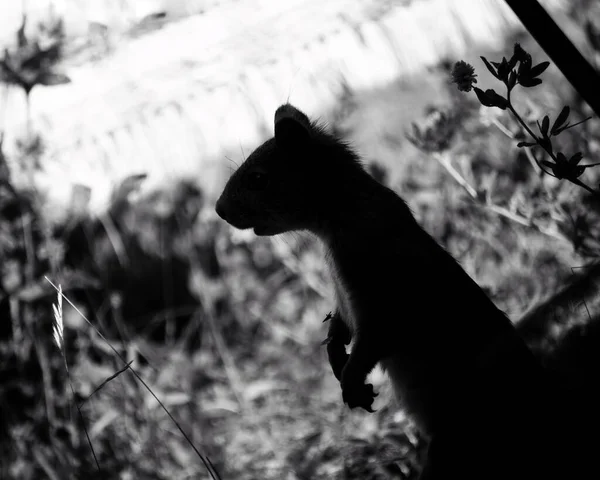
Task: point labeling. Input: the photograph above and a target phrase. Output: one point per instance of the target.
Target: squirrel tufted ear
(292, 127)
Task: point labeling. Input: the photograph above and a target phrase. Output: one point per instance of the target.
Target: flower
(463, 75)
(519, 55)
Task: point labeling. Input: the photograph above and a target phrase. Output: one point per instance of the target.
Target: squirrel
(455, 361)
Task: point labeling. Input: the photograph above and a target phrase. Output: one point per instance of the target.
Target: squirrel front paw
(358, 394)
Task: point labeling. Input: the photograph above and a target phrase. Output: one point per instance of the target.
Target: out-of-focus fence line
(170, 102)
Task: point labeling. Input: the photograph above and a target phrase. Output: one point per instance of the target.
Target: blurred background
(120, 122)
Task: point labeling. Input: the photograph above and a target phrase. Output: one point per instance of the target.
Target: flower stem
(519, 119)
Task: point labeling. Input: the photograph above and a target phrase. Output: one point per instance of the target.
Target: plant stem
(519, 119)
(549, 152)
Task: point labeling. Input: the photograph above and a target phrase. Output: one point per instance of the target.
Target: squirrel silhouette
(455, 361)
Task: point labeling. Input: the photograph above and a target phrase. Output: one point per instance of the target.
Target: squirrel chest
(341, 294)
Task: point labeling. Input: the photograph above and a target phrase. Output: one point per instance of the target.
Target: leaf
(526, 144)
(576, 158)
(545, 143)
(564, 168)
(525, 65)
(578, 171)
(129, 184)
(50, 78)
(545, 126)
(548, 164)
(569, 125)
(538, 69)
(482, 97)
(529, 82)
(558, 170)
(519, 53)
(490, 98)
(490, 68)
(560, 120)
(21, 37)
(503, 70)
(512, 80)
(562, 129)
(512, 63)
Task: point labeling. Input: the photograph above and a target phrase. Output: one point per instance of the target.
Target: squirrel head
(290, 182)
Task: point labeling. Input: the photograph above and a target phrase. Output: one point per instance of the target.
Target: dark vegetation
(226, 327)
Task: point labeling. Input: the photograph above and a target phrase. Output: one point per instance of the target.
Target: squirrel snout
(220, 208)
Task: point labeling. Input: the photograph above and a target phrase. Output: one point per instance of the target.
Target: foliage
(34, 60)
(542, 206)
(527, 76)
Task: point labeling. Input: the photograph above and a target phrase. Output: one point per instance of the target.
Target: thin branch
(114, 375)
(520, 120)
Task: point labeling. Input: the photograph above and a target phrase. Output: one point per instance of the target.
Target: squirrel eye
(257, 180)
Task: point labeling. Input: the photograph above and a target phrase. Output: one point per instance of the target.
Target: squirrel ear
(292, 127)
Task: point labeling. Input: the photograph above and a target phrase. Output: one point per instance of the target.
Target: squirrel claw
(360, 396)
(327, 341)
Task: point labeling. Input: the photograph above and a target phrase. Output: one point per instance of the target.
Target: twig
(114, 375)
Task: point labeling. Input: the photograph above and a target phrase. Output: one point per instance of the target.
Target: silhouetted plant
(546, 209)
(519, 70)
(34, 60)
